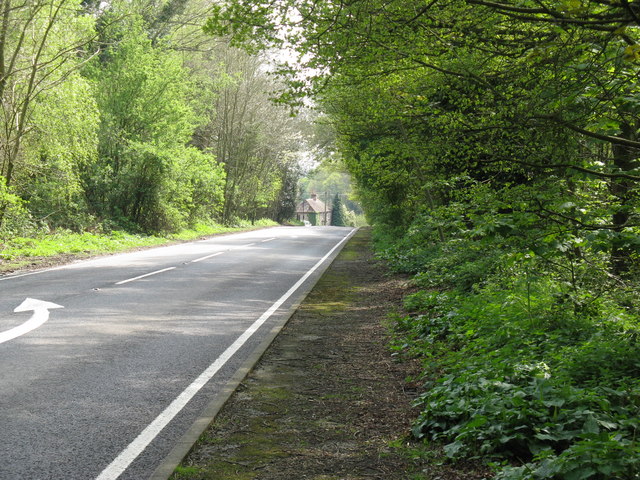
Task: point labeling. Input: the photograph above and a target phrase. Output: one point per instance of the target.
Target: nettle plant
(526, 416)
(516, 374)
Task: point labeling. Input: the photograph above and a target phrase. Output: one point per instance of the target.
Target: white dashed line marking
(122, 282)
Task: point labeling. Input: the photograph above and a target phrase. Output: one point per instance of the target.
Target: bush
(15, 219)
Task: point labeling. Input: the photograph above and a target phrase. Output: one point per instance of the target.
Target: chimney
(314, 196)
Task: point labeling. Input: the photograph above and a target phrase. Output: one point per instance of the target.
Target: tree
(147, 175)
(553, 78)
(285, 205)
(60, 147)
(337, 212)
(42, 44)
(253, 138)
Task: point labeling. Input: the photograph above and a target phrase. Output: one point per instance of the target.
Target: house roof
(311, 205)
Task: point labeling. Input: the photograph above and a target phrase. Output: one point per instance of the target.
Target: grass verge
(20, 252)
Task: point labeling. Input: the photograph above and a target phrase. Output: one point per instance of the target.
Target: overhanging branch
(588, 133)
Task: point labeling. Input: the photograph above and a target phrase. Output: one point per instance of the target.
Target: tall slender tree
(337, 212)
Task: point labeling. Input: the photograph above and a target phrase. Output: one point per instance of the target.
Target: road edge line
(191, 436)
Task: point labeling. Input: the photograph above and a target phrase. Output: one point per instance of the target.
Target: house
(312, 207)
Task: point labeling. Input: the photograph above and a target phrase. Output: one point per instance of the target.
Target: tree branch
(554, 166)
(598, 136)
(507, 8)
(582, 224)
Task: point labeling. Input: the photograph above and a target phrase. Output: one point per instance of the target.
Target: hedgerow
(537, 378)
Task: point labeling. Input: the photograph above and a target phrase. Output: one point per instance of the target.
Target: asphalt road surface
(105, 363)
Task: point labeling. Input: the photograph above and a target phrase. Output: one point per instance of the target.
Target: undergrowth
(535, 370)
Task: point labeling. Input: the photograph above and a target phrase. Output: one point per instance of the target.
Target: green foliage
(47, 116)
(494, 146)
(16, 219)
(107, 122)
(60, 148)
(13, 248)
(512, 371)
(146, 173)
(256, 141)
(285, 207)
(530, 357)
(74, 243)
(602, 457)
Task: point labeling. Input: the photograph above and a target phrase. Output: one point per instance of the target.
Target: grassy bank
(20, 252)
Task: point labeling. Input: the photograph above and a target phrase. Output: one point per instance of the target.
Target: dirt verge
(326, 401)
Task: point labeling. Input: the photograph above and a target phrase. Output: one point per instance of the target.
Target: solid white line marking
(122, 282)
(206, 257)
(135, 448)
(37, 272)
(267, 240)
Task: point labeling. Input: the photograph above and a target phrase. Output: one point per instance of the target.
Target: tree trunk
(624, 158)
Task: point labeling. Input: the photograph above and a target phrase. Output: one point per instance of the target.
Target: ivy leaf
(591, 425)
(452, 449)
(581, 473)
(547, 469)
(556, 402)
(478, 421)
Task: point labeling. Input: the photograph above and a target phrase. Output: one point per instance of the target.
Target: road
(103, 379)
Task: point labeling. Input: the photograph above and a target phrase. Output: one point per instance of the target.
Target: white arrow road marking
(40, 315)
(140, 443)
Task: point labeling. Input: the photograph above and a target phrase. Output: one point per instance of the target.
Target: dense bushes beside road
(522, 367)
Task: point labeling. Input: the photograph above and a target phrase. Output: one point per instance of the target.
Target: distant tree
(337, 212)
(285, 208)
(253, 138)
